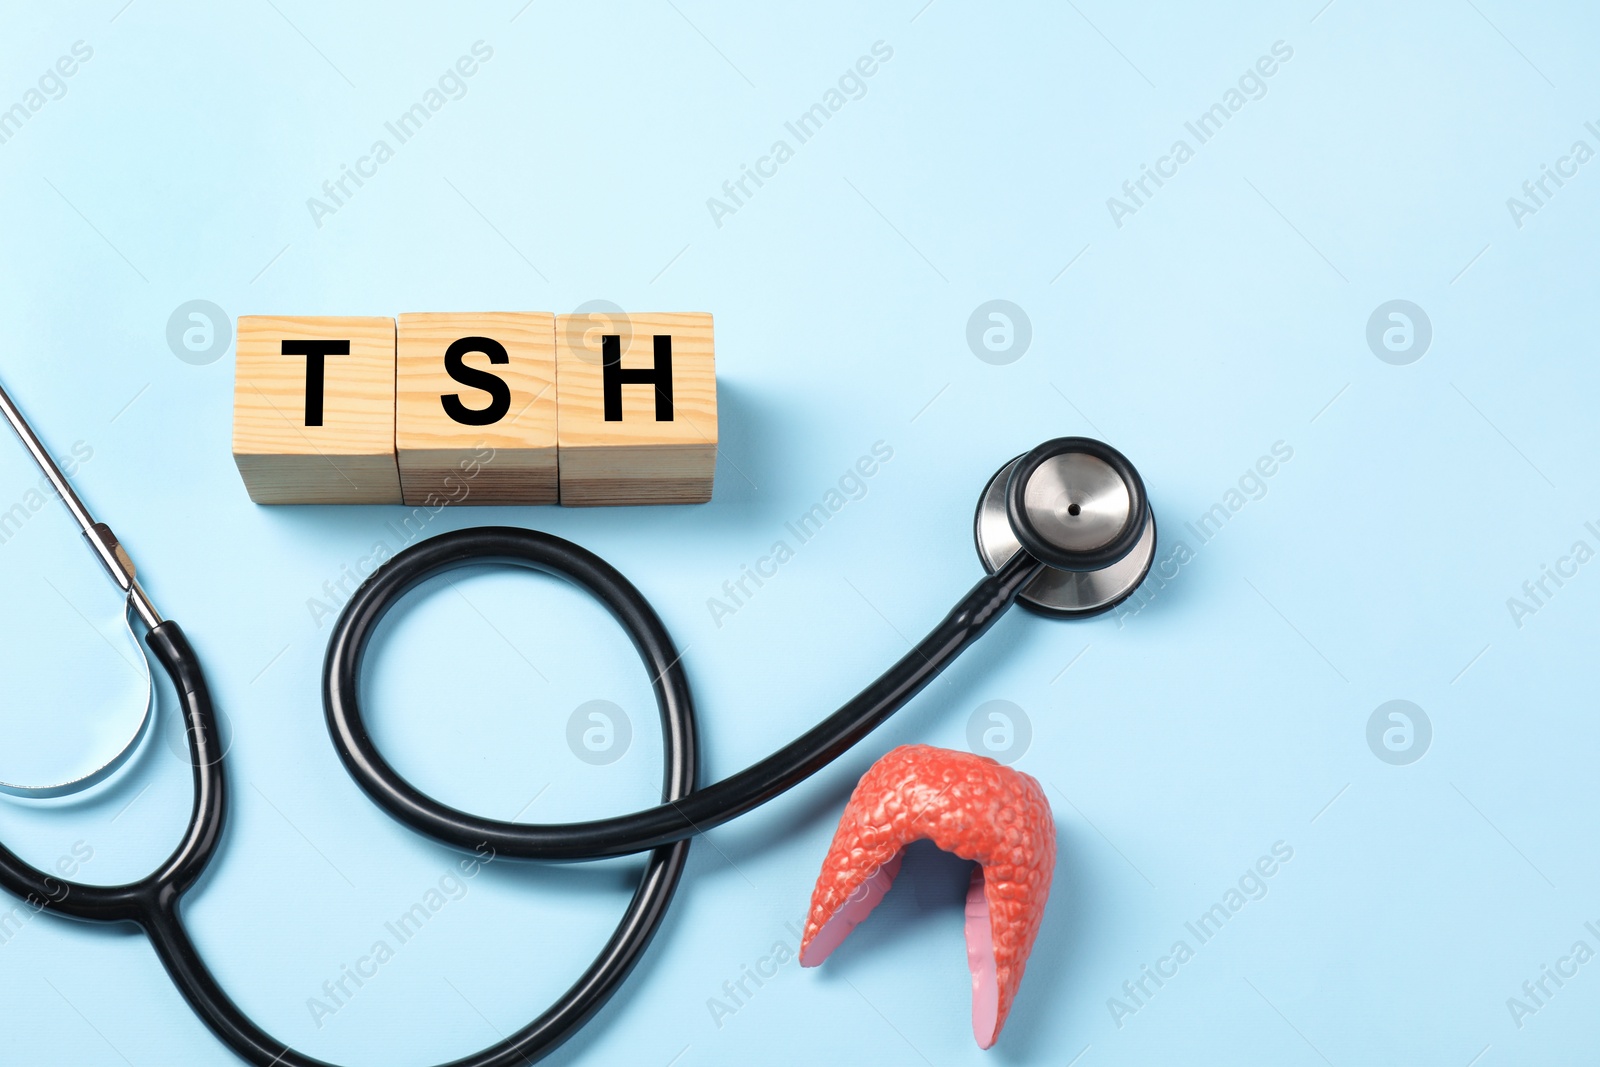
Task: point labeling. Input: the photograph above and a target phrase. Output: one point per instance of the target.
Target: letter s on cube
(478, 389)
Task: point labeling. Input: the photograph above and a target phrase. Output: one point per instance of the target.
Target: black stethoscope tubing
(153, 902)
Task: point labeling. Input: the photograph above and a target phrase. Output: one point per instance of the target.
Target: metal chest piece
(1078, 506)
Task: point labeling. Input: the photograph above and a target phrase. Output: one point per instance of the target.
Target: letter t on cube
(313, 410)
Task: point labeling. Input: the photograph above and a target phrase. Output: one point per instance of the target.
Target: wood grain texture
(637, 460)
(350, 457)
(510, 461)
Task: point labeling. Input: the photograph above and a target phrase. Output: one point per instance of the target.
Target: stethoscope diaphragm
(1083, 509)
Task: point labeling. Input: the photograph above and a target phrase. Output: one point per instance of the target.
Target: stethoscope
(1065, 530)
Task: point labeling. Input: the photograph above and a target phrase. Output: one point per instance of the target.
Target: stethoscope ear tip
(1078, 506)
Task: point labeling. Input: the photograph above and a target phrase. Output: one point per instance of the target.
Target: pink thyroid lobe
(849, 915)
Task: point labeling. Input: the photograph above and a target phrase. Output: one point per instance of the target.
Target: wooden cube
(313, 410)
(475, 408)
(638, 409)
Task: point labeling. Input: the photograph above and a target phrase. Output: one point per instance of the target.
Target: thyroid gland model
(968, 805)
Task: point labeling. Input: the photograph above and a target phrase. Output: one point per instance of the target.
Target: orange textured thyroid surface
(967, 805)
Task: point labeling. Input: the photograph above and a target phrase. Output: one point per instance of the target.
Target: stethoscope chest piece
(1078, 506)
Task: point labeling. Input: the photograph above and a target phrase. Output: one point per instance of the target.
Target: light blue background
(1227, 314)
